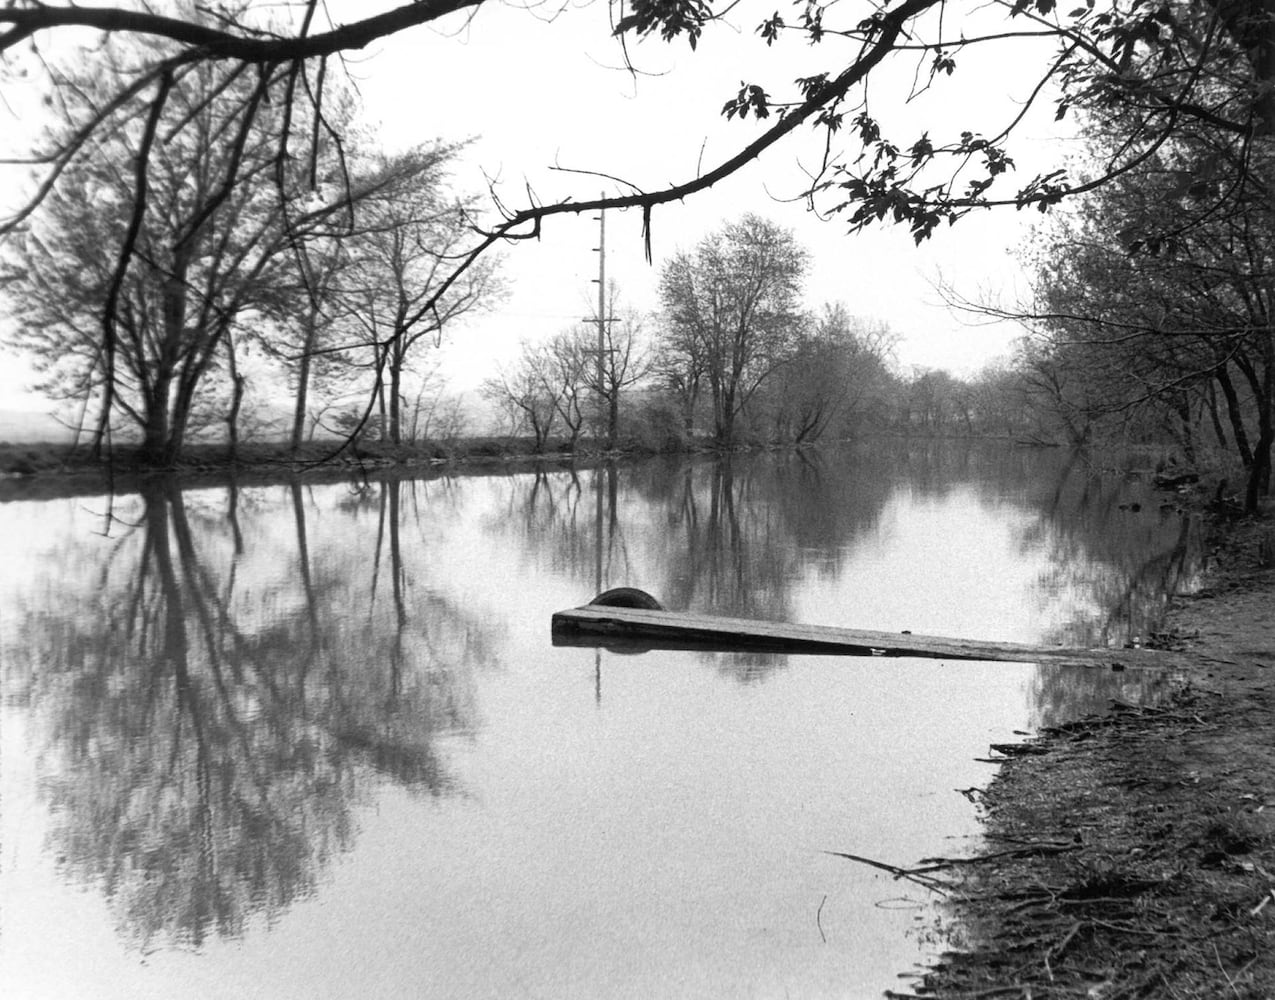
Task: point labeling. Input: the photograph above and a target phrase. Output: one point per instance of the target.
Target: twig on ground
(919, 877)
(936, 864)
(1055, 951)
(1226, 975)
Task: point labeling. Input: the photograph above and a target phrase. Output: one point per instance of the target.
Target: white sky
(537, 92)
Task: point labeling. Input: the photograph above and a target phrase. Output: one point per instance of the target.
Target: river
(312, 740)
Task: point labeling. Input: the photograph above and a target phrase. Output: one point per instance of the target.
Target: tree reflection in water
(1146, 557)
(215, 705)
(203, 759)
(744, 535)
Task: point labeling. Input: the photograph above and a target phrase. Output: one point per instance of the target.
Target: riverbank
(39, 472)
(1133, 855)
(33, 459)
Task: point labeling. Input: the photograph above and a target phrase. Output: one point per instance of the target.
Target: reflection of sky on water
(966, 565)
(956, 565)
(667, 842)
(368, 670)
(950, 565)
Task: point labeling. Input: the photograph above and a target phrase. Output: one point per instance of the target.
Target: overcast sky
(538, 92)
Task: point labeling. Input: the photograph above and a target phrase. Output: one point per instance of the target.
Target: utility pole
(602, 320)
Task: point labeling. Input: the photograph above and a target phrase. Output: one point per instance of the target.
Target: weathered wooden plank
(633, 628)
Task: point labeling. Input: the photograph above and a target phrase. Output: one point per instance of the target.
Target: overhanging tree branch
(231, 42)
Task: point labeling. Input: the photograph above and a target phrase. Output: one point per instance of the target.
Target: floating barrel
(627, 597)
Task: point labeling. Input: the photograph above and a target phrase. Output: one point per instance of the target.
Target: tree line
(330, 266)
(730, 358)
(339, 296)
(733, 357)
(1152, 294)
(1151, 309)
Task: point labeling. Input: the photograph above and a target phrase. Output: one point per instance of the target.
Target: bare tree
(208, 253)
(404, 246)
(731, 312)
(434, 414)
(835, 371)
(563, 372)
(678, 366)
(526, 393)
(626, 360)
(569, 360)
(308, 325)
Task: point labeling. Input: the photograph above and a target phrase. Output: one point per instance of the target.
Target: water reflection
(948, 538)
(206, 732)
(220, 689)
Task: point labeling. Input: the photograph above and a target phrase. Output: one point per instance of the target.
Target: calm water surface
(313, 741)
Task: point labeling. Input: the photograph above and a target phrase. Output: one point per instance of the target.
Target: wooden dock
(634, 630)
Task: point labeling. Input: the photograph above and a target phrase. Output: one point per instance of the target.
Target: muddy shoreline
(1133, 854)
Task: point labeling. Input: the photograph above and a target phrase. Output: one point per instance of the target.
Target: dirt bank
(1134, 855)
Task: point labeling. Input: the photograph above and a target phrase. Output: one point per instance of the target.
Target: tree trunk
(1215, 419)
(725, 419)
(232, 418)
(303, 381)
(1236, 416)
(613, 417)
(396, 416)
(180, 421)
(155, 430)
(1259, 475)
(237, 383)
(1186, 431)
